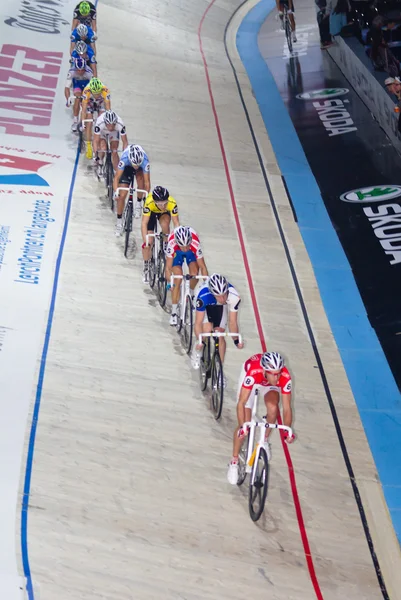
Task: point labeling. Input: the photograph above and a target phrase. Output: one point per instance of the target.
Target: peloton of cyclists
(267, 373)
(217, 304)
(158, 206)
(95, 98)
(108, 126)
(134, 162)
(183, 244)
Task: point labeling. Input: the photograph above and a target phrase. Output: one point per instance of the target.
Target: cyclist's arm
(243, 399)
(144, 226)
(169, 268)
(116, 179)
(75, 24)
(96, 140)
(107, 103)
(176, 220)
(202, 266)
(124, 140)
(72, 46)
(199, 315)
(287, 410)
(67, 88)
(146, 181)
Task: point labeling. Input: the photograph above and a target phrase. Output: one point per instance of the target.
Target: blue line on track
(370, 377)
(35, 416)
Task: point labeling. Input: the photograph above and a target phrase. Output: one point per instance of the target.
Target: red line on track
(291, 472)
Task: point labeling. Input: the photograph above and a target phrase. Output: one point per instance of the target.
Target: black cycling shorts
(152, 220)
(128, 175)
(214, 314)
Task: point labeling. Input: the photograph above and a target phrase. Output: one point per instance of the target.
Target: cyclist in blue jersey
(78, 77)
(83, 33)
(84, 12)
(133, 162)
(216, 303)
(82, 50)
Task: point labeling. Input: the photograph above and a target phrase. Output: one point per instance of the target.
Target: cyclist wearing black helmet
(159, 205)
(85, 13)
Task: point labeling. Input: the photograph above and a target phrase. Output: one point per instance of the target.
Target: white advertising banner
(37, 156)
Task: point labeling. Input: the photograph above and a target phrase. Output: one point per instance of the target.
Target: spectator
(323, 21)
(338, 14)
(381, 56)
(393, 86)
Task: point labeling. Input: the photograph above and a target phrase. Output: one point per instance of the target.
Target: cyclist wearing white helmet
(134, 162)
(158, 206)
(82, 50)
(85, 34)
(267, 373)
(183, 244)
(109, 125)
(216, 303)
(78, 78)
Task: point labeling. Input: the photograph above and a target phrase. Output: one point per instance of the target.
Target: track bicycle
(185, 318)
(253, 459)
(128, 211)
(211, 367)
(157, 265)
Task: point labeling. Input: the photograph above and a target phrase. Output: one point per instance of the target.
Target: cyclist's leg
(140, 183)
(164, 221)
(193, 270)
(279, 8)
(175, 291)
(147, 250)
(125, 181)
(222, 326)
(102, 149)
(272, 400)
(114, 152)
(291, 15)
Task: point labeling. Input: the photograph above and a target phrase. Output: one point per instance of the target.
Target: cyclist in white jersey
(109, 125)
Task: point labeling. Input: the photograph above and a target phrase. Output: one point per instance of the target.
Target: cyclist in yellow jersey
(95, 98)
(161, 206)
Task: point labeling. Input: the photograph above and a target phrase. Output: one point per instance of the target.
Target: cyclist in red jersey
(267, 373)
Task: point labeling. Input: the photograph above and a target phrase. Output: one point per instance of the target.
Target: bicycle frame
(252, 454)
(184, 291)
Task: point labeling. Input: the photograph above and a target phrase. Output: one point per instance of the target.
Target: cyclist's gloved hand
(115, 195)
(242, 432)
(69, 102)
(168, 286)
(287, 438)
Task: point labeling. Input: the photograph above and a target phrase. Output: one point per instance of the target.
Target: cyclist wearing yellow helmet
(95, 98)
(85, 13)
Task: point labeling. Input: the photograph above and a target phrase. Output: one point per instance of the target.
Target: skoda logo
(378, 193)
(323, 94)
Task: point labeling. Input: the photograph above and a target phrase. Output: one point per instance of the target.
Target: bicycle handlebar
(268, 426)
(131, 190)
(188, 276)
(220, 334)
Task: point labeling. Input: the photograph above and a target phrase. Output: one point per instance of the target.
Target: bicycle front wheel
(204, 366)
(128, 227)
(109, 183)
(242, 456)
(188, 325)
(258, 485)
(152, 272)
(217, 385)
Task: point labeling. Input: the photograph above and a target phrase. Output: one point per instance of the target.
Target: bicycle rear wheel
(204, 366)
(217, 385)
(258, 489)
(187, 325)
(128, 226)
(161, 280)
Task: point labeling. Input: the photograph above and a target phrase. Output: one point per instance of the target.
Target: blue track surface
(370, 377)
